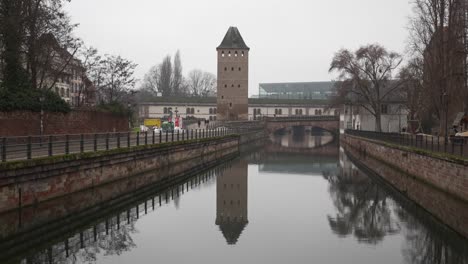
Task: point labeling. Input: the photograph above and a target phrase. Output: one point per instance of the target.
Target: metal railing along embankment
(25, 148)
(457, 146)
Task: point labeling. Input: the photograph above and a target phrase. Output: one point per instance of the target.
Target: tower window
(225, 68)
(239, 68)
(232, 86)
(225, 86)
(242, 54)
(232, 68)
(238, 85)
(222, 54)
(222, 96)
(230, 105)
(229, 54)
(235, 54)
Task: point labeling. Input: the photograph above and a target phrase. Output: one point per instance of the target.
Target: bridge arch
(328, 123)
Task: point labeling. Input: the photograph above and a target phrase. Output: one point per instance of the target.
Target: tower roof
(233, 40)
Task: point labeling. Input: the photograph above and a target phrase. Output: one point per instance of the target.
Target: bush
(30, 100)
(115, 108)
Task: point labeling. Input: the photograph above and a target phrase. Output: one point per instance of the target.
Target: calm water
(282, 203)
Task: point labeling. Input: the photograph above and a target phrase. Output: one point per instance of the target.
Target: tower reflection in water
(231, 201)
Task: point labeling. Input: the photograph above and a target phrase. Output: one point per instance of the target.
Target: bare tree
(151, 80)
(115, 78)
(47, 30)
(366, 77)
(177, 78)
(165, 77)
(202, 84)
(438, 38)
(412, 89)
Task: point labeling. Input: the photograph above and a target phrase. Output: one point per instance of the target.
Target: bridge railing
(457, 146)
(25, 148)
(304, 118)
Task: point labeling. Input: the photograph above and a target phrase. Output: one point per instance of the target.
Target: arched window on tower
(229, 54)
(222, 54)
(235, 54)
(242, 54)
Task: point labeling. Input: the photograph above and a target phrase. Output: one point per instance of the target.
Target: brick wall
(31, 184)
(445, 175)
(23, 123)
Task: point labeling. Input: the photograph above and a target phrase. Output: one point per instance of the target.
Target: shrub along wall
(25, 123)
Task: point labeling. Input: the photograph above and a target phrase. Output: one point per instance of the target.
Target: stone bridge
(329, 123)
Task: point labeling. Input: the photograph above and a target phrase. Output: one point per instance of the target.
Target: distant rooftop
(233, 40)
(212, 101)
(297, 90)
(296, 87)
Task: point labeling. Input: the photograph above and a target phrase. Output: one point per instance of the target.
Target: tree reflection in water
(425, 246)
(370, 211)
(362, 208)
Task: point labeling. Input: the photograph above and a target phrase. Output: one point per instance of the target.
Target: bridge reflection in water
(279, 203)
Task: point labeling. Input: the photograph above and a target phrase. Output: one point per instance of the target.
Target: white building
(394, 118)
(206, 108)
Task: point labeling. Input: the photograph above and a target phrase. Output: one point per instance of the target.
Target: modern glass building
(302, 90)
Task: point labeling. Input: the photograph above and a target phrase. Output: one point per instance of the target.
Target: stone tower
(231, 201)
(233, 77)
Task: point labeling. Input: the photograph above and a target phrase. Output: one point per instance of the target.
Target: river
(298, 199)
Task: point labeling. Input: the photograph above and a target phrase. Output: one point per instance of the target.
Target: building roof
(213, 100)
(298, 87)
(233, 40)
(232, 230)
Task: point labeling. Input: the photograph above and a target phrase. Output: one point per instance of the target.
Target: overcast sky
(290, 40)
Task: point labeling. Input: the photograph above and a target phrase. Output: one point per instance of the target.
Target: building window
(232, 69)
(193, 111)
(235, 54)
(225, 68)
(242, 54)
(230, 105)
(165, 110)
(211, 111)
(222, 54)
(239, 68)
(225, 86)
(238, 86)
(384, 109)
(229, 54)
(222, 96)
(215, 111)
(232, 86)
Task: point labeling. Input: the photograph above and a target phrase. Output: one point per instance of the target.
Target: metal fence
(24, 148)
(457, 146)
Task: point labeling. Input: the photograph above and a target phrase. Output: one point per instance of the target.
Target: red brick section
(445, 207)
(22, 123)
(445, 175)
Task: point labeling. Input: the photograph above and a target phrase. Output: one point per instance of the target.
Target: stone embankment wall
(443, 206)
(24, 123)
(30, 182)
(445, 174)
